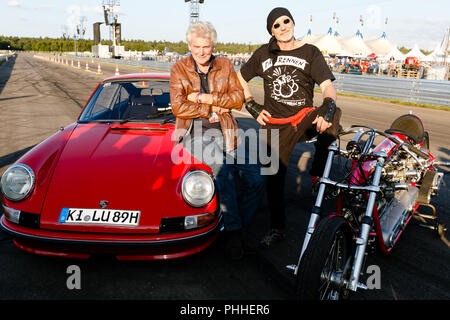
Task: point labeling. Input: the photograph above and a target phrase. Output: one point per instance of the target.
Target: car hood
(128, 166)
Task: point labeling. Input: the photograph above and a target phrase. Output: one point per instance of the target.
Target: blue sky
(243, 21)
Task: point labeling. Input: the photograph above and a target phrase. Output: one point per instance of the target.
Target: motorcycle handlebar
(442, 163)
(405, 145)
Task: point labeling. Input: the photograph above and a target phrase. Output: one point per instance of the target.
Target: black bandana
(274, 15)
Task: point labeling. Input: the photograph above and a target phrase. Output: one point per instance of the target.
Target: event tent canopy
(437, 55)
(356, 46)
(330, 44)
(395, 53)
(415, 52)
(380, 46)
(311, 38)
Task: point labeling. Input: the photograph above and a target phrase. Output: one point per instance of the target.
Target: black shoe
(234, 247)
(272, 237)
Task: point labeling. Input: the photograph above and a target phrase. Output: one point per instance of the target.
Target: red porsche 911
(113, 183)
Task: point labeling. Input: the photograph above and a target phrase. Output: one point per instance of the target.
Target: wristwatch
(199, 98)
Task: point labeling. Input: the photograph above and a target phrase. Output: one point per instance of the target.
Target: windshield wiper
(99, 121)
(159, 114)
(152, 116)
(125, 120)
(168, 113)
(168, 119)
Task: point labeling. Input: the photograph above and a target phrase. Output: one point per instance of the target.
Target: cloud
(14, 3)
(79, 15)
(44, 7)
(73, 18)
(94, 9)
(425, 32)
(373, 17)
(17, 4)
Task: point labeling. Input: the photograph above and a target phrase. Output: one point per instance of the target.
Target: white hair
(202, 29)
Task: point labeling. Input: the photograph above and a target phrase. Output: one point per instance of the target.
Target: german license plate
(99, 216)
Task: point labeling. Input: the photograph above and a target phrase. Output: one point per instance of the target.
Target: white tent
(380, 46)
(355, 46)
(311, 38)
(395, 53)
(415, 52)
(329, 44)
(428, 58)
(438, 50)
(437, 55)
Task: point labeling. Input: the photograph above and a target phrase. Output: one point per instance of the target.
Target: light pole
(81, 30)
(446, 46)
(66, 38)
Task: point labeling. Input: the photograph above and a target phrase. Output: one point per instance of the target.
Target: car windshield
(130, 101)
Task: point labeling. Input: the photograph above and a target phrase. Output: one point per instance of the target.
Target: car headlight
(17, 182)
(197, 188)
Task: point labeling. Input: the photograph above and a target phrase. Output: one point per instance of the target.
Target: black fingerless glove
(253, 108)
(327, 109)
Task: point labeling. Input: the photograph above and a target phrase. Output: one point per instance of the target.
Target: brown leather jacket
(223, 85)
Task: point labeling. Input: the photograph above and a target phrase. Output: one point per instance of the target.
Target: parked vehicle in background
(411, 64)
(352, 69)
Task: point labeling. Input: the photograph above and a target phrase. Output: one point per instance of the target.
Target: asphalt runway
(38, 97)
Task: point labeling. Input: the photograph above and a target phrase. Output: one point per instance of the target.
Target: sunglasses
(277, 25)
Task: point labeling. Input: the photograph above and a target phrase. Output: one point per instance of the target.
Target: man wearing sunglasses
(290, 68)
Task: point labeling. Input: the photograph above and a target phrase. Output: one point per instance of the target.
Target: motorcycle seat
(410, 126)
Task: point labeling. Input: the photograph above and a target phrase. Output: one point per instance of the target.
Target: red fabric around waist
(293, 120)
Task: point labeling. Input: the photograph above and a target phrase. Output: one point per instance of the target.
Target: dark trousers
(237, 206)
(288, 137)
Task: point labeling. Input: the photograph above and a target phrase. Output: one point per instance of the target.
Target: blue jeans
(241, 187)
(231, 170)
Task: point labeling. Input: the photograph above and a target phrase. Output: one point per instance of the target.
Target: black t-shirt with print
(289, 77)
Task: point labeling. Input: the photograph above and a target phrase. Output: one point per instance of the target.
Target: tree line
(68, 45)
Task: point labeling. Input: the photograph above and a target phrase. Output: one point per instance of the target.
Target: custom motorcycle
(378, 188)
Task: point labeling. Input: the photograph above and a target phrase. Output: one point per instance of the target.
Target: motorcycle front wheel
(326, 262)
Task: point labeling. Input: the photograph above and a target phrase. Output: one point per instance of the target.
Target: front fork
(315, 215)
(366, 221)
(366, 224)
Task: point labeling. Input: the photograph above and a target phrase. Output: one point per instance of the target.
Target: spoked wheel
(326, 263)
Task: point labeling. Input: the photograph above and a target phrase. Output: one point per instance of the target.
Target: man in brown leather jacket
(203, 91)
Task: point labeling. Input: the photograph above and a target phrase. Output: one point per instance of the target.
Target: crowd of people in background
(381, 66)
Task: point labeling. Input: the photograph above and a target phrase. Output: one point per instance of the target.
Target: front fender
(42, 159)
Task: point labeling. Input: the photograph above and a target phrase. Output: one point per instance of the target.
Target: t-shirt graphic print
(289, 77)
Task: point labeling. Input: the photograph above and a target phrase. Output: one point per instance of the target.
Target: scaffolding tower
(195, 10)
(111, 18)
